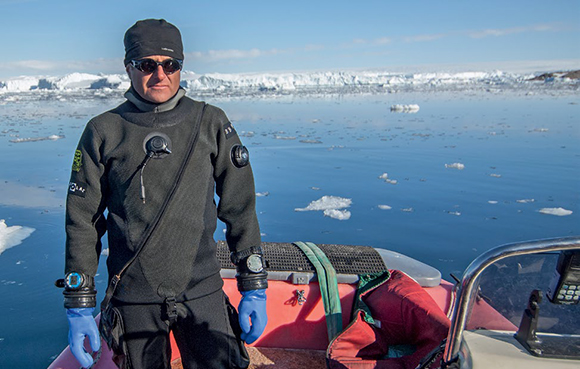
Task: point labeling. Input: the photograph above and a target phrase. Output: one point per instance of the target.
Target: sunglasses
(149, 66)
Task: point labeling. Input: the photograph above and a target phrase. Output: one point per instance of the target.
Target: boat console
(548, 333)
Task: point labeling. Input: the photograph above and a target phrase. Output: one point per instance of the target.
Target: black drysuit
(179, 259)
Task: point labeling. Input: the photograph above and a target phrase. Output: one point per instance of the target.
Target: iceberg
(13, 235)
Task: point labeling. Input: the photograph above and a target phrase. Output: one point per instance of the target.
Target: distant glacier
(268, 84)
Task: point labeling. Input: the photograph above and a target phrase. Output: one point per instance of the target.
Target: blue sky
(56, 37)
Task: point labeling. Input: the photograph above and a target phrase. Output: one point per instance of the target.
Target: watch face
(254, 263)
(73, 280)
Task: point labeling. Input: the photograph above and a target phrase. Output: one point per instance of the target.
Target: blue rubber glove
(253, 306)
(82, 323)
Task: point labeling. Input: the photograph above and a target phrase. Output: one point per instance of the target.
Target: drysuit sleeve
(237, 201)
(85, 223)
(235, 188)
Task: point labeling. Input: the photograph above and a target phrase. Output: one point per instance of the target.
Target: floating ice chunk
(247, 134)
(337, 214)
(457, 166)
(327, 203)
(541, 130)
(561, 212)
(311, 141)
(385, 207)
(407, 210)
(454, 213)
(386, 178)
(525, 201)
(493, 202)
(105, 252)
(262, 194)
(12, 236)
(34, 139)
(411, 108)
(495, 175)
(278, 137)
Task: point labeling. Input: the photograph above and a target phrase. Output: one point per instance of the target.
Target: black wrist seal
(79, 290)
(252, 281)
(250, 266)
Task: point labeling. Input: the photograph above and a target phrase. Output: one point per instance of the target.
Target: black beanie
(152, 37)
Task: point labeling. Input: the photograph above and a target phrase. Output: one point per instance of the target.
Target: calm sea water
(520, 155)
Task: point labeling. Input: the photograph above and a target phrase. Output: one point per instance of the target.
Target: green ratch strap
(328, 286)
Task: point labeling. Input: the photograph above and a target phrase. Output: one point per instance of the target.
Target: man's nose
(159, 73)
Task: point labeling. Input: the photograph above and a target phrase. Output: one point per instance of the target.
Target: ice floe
(13, 235)
(458, 166)
(35, 139)
(561, 212)
(385, 177)
(331, 206)
(262, 194)
(410, 109)
(384, 207)
(337, 214)
(525, 201)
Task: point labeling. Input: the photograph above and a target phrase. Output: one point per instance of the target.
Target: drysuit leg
(208, 334)
(146, 335)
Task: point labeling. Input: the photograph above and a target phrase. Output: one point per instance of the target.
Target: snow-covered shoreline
(100, 85)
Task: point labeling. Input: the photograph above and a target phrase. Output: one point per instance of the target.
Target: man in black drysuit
(135, 163)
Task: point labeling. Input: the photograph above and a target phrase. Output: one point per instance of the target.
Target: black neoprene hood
(152, 37)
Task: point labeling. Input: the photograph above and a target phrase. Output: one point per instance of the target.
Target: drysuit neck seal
(147, 106)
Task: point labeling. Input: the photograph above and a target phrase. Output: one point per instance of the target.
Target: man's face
(156, 87)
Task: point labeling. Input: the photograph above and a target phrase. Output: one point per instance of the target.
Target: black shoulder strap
(149, 231)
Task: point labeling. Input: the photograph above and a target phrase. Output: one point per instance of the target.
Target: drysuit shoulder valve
(240, 156)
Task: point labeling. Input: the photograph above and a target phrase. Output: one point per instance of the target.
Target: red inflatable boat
(395, 311)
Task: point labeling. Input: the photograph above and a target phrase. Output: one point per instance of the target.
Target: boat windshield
(506, 286)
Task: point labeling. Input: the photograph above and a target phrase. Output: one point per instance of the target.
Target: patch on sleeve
(77, 161)
(77, 188)
(229, 130)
